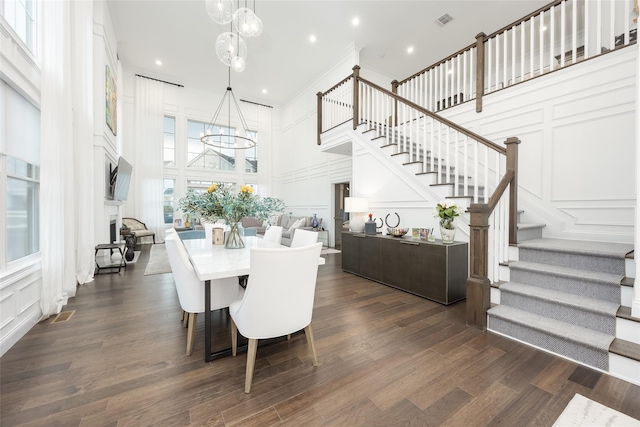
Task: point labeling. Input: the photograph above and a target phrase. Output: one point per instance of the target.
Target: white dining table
(212, 262)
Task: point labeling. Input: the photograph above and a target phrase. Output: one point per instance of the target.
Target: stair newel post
(356, 96)
(478, 284)
(319, 107)
(512, 164)
(479, 70)
(394, 89)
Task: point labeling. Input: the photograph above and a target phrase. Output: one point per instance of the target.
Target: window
(21, 16)
(169, 208)
(22, 201)
(251, 154)
(169, 141)
(203, 156)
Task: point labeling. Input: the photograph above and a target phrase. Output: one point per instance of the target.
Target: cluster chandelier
(230, 47)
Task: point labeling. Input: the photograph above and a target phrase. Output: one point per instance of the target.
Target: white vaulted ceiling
(282, 60)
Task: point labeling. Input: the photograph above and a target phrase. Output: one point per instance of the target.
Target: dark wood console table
(431, 270)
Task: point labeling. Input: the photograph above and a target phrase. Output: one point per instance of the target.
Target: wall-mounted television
(119, 180)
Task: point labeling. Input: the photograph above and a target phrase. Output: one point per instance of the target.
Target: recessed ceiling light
(355, 21)
(264, 91)
(312, 38)
(410, 49)
(450, 71)
(544, 28)
(158, 62)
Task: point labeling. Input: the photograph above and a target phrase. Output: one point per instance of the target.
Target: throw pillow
(299, 223)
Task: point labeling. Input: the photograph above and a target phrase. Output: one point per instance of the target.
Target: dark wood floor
(387, 358)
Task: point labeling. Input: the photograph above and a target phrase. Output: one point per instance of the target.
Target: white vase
(447, 231)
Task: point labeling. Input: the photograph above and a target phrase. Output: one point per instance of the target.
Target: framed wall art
(111, 101)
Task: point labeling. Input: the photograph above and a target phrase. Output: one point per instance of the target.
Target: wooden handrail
(434, 65)
(346, 79)
(435, 116)
(521, 20)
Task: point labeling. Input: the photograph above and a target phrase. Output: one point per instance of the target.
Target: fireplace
(113, 230)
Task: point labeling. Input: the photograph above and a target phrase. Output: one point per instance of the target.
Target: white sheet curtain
(56, 174)
(148, 168)
(83, 161)
(264, 147)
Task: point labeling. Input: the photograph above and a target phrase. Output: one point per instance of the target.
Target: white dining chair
(303, 238)
(273, 234)
(190, 289)
(278, 300)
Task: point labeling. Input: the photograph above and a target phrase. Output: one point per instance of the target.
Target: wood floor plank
(386, 358)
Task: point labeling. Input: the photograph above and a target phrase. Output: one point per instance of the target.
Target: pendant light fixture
(230, 47)
(214, 135)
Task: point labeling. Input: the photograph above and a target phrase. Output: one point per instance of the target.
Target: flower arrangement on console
(447, 213)
(221, 201)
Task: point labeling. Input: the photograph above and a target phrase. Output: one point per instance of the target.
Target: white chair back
(280, 293)
(303, 238)
(191, 289)
(273, 234)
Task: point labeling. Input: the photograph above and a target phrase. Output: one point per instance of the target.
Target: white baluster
(532, 43)
(488, 61)
(563, 31)
(522, 51)
(541, 31)
(626, 23)
(552, 39)
(574, 32)
(612, 25)
(598, 26)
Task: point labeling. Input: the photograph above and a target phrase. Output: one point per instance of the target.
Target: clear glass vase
(447, 230)
(234, 237)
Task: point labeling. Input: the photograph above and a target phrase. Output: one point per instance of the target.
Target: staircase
(568, 297)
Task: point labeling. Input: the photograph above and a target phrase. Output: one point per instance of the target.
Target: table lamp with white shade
(358, 208)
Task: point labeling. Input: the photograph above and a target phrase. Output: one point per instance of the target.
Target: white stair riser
(630, 267)
(504, 273)
(626, 296)
(628, 330)
(495, 296)
(624, 368)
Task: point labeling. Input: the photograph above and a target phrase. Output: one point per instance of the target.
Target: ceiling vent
(444, 19)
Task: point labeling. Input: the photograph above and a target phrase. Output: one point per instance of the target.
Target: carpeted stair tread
(573, 341)
(606, 249)
(592, 256)
(613, 279)
(563, 298)
(575, 333)
(591, 313)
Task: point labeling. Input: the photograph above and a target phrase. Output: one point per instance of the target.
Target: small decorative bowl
(397, 232)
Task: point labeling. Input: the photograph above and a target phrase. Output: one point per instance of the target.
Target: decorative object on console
(386, 221)
(370, 226)
(315, 222)
(356, 206)
(221, 202)
(397, 232)
(447, 214)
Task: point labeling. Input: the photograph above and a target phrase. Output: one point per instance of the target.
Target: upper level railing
(557, 35)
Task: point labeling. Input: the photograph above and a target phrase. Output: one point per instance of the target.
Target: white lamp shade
(356, 204)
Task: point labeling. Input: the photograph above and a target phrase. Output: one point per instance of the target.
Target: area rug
(158, 260)
(329, 251)
(582, 411)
